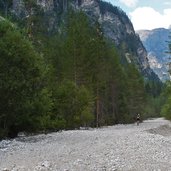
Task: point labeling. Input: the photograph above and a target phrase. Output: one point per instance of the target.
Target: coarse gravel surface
(146, 147)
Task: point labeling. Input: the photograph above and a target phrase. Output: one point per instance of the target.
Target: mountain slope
(114, 22)
(118, 28)
(155, 41)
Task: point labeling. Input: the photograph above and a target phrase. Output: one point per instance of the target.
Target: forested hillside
(66, 78)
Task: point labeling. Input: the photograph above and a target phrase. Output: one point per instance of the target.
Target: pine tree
(117, 94)
(5, 5)
(24, 99)
(137, 95)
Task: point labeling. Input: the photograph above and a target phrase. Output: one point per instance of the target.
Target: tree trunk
(97, 107)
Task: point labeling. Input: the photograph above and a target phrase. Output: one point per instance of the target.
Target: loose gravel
(146, 147)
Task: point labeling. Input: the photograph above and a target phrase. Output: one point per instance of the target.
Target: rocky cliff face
(118, 28)
(115, 24)
(155, 41)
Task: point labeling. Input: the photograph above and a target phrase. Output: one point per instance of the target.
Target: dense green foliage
(65, 80)
(4, 7)
(22, 86)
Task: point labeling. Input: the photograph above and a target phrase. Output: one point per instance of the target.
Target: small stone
(45, 164)
(5, 169)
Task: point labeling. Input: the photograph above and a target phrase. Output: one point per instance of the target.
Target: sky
(146, 14)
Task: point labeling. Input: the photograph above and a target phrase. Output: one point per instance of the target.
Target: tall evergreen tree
(4, 6)
(24, 99)
(137, 95)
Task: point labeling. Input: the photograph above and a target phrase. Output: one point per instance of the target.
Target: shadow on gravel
(32, 139)
(164, 130)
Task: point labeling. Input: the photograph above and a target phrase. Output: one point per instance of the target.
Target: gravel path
(117, 148)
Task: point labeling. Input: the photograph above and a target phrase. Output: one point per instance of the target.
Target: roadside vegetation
(68, 79)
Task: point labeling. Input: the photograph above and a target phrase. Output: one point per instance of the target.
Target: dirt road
(146, 147)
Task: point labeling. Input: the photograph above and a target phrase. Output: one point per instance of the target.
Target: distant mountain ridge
(155, 42)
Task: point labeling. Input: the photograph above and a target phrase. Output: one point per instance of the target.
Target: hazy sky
(146, 14)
